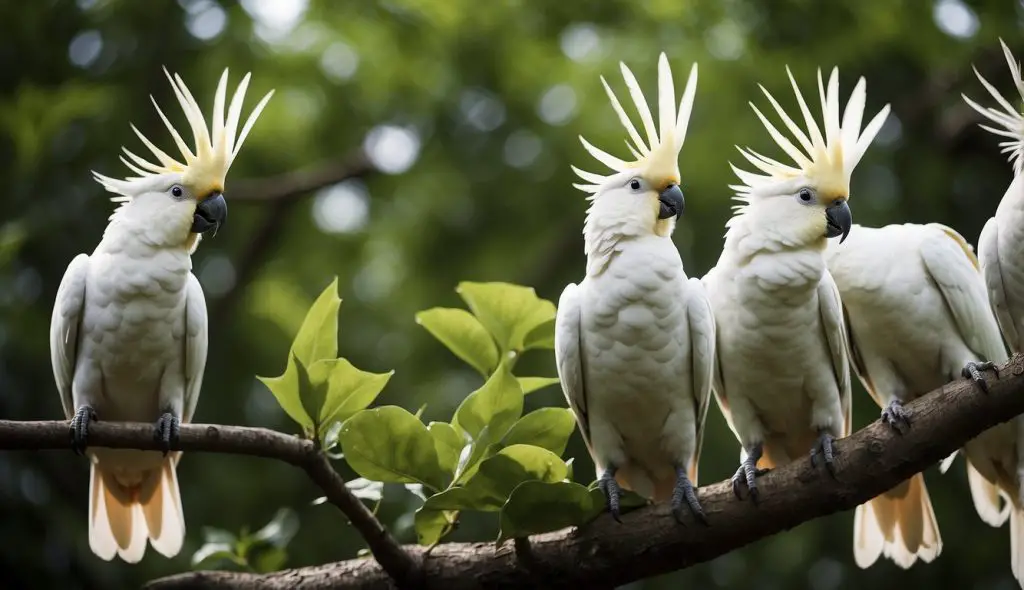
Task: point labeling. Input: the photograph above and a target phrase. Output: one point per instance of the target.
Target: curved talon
(972, 370)
(612, 492)
(80, 428)
(168, 428)
(828, 452)
(896, 417)
(748, 473)
(684, 491)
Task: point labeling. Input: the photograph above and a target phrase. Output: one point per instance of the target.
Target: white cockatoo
(995, 458)
(1001, 245)
(917, 317)
(782, 378)
(128, 335)
(634, 341)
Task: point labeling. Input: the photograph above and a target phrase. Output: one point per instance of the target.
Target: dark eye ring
(634, 184)
(176, 191)
(805, 195)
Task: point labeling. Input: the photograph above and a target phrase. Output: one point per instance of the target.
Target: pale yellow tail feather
(899, 524)
(991, 504)
(122, 519)
(1017, 544)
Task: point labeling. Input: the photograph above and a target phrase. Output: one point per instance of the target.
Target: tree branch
(605, 553)
(294, 185)
(236, 440)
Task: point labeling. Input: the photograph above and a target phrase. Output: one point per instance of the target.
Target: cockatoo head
(806, 203)
(1009, 121)
(641, 196)
(174, 203)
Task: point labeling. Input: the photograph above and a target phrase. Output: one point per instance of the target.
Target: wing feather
(65, 323)
(702, 352)
(831, 309)
(196, 344)
(569, 359)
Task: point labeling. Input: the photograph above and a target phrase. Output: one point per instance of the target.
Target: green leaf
(317, 338)
(346, 389)
(548, 428)
(496, 405)
(543, 336)
(215, 535)
(366, 489)
(509, 312)
(431, 525)
(269, 560)
(499, 475)
(286, 389)
(463, 334)
(280, 530)
(531, 384)
(539, 507)
(391, 445)
(211, 555)
(458, 498)
(448, 444)
(311, 395)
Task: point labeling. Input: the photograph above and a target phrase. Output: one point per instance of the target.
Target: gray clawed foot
(828, 452)
(612, 492)
(972, 371)
(80, 428)
(895, 416)
(684, 491)
(747, 474)
(168, 428)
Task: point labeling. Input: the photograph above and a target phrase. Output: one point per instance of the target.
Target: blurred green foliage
(470, 111)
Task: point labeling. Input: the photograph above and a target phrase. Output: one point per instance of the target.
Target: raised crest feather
(658, 155)
(1009, 119)
(827, 158)
(204, 168)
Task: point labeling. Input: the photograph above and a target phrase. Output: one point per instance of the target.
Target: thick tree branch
(237, 440)
(605, 553)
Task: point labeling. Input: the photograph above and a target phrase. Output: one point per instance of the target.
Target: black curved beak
(839, 219)
(211, 213)
(672, 203)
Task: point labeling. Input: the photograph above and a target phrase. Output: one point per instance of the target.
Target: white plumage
(128, 334)
(917, 314)
(634, 341)
(782, 378)
(995, 459)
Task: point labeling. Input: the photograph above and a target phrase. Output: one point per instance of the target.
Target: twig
(297, 184)
(236, 440)
(282, 194)
(649, 542)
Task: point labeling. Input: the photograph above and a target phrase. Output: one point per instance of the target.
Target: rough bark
(605, 553)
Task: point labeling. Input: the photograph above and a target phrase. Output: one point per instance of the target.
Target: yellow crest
(204, 169)
(1009, 119)
(827, 158)
(658, 157)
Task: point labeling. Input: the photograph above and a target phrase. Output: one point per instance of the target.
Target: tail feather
(988, 499)
(899, 524)
(123, 518)
(1017, 544)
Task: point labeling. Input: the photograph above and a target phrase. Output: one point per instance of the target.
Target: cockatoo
(634, 341)
(995, 458)
(128, 335)
(782, 378)
(917, 317)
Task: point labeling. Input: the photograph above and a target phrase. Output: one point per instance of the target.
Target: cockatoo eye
(805, 196)
(177, 191)
(634, 184)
